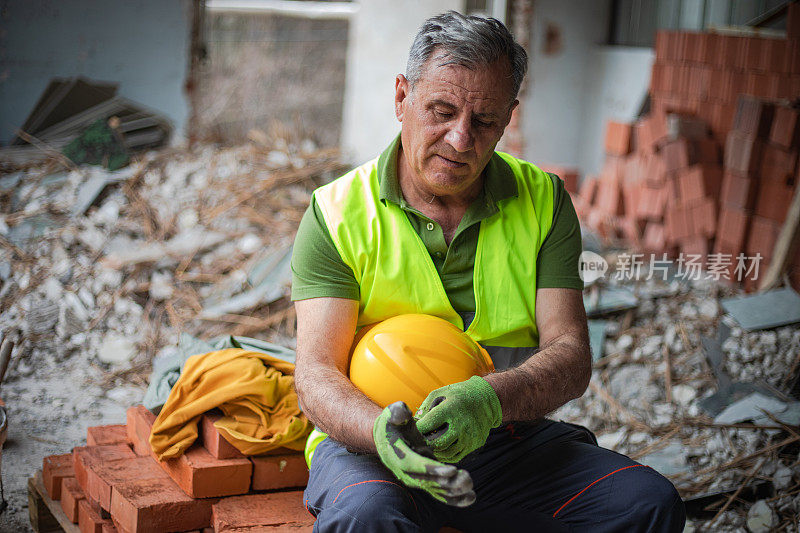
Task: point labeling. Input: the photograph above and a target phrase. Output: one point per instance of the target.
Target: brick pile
(115, 483)
(713, 167)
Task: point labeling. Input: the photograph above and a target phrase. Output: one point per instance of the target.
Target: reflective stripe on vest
(396, 275)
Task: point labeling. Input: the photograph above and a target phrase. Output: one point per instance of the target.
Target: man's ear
(402, 89)
(511, 111)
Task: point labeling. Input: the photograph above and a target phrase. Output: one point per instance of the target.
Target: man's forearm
(336, 407)
(550, 378)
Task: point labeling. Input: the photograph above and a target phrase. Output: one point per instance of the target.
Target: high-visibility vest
(396, 275)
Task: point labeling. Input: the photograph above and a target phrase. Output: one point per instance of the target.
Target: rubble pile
(109, 267)
(684, 389)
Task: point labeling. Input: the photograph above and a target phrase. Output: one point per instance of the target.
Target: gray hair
(468, 41)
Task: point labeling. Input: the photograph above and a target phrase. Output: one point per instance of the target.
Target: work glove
(402, 450)
(455, 419)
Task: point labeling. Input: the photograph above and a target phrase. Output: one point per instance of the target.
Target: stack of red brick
(703, 74)
(663, 187)
(116, 484)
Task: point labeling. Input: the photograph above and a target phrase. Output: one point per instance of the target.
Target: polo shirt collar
(499, 181)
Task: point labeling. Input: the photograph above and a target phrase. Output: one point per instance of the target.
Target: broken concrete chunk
(750, 408)
(116, 349)
(668, 461)
(180, 245)
(761, 518)
(764, 310)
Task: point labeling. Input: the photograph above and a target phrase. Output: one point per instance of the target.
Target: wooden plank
(46, 514)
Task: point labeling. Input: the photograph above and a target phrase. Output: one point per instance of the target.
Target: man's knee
(369, 506)
(649, 500)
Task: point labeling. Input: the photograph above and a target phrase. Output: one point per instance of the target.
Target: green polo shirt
(318, 270)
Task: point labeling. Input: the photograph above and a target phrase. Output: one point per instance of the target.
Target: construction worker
(441, 224)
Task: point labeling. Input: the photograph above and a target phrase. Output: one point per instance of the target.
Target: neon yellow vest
(397, 276)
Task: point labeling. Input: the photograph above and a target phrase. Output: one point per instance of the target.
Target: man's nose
(460, 136)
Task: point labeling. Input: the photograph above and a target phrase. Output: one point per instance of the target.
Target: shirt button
(439, 255)
(430, 226)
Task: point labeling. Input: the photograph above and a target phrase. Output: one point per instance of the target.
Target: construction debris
(101, 271)
(89, 122)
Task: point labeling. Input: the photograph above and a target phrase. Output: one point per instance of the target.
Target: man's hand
(455, 420)
(402, 449)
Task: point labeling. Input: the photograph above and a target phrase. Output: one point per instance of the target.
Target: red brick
(279, 471)
(773, 55)
(655, 173)
(569, 175)
(700, 82)
(90, 519)
(202, 476)
(774, 199)
(694, 47)
(652, 203)
(683, 79)
(704, 217)
(738, 191)
(103, 435)
(588, 191)
(609, 197)
(662, 38)
(84, 457)
(144, 506)
(777, 163)
(780, 86)
(792, 57)
(260, 511)
(54, 469)
(722, 56)
(71, 495)
(763, 235)
(139, 423)
(102, 477)
(654, 237)
(753, 116)
(676, 155)
(742, 153)
(699, 181)
(618, 138)
(759, 84)
(212, 439)
(678, 223)
(753, 52)
(696, 245)
(732, 227)
(793, 21)
(708, 42)
(785, 130)
(652, 132)
(720, 85)
(722, 121)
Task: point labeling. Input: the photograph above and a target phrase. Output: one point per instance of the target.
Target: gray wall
(141, 44)
(556, 109)
(380, 36)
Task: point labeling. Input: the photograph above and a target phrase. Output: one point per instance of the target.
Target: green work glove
(455, 419)
(403, 450)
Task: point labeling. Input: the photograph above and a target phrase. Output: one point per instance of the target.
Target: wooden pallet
(46, 514)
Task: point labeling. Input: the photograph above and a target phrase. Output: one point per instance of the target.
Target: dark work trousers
(545, 476)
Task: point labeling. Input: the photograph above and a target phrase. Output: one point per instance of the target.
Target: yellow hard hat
(408, 356)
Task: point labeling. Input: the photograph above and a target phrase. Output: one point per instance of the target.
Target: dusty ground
(48, 414)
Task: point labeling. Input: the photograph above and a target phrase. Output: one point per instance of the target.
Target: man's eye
(442, 114)
(482, 124)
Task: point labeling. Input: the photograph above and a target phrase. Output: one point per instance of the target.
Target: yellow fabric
(255, 392)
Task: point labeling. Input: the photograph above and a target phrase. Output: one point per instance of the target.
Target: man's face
(452, 120)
